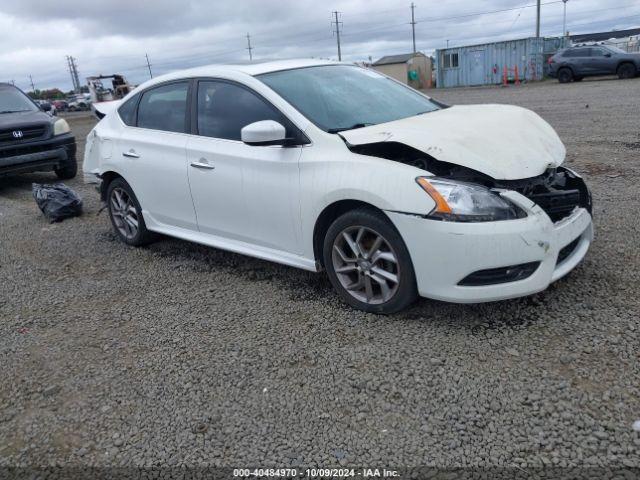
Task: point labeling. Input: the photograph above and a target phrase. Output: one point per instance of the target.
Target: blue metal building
(484, 64)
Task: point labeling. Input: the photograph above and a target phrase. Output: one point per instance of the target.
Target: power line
(337, 32)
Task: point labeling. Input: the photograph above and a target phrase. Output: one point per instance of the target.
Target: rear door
(578, 60)
(242, 192)
(154, 159)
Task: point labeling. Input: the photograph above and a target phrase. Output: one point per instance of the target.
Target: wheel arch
(626, 62)
(326, 218)
(566, 66)
(108, 177)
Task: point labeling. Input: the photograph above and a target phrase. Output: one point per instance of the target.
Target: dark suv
(32, 140)
(575, 63)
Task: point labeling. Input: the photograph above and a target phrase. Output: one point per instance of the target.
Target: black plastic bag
(57, 202)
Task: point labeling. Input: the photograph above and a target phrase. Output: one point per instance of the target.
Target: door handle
(130, 154)
(202, 163)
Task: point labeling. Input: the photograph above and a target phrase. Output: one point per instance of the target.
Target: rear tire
(626, 71)
(374, 269)
(126, 215)
(69, 171)
(565, 75)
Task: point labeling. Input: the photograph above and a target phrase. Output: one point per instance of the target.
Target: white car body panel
(264, 201)
(467, 135)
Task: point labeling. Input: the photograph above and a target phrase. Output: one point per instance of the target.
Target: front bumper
(43, 155)
(444, 253)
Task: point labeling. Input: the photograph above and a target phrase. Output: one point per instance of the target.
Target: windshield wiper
(352, 127)
(13, 111)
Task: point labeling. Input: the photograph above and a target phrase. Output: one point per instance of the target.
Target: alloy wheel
(366, 265)
(124, 213)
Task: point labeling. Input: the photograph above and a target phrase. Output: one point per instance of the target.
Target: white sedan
(328, 166)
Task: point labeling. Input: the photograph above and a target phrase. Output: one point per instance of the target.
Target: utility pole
(33, 88)
(73, 70)
(249, 47)
(538, 19)
(564, 19)
(337, 31)
(413, 26)
(148, 66)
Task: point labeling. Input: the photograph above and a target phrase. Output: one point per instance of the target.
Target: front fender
(384, 184)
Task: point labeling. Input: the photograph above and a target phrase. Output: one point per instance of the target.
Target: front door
(242, 192)
(475, 61)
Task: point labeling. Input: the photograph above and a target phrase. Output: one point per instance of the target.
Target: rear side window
(164, 108)
(576, 52)
(224, 109)
(127, 111)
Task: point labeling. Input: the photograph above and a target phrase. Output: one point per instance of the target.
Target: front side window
(13, 100)
(224, 109)
(164, 108)
(597, 52)
(342, 97)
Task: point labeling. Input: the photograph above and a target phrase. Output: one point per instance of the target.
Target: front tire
(126, 215)
(368, 263)
(68, 171)
(626, 71)
(565, 75)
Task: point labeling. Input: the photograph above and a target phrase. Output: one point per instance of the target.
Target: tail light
(551, 60)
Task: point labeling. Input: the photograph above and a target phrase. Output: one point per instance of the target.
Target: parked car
(78, 106)
(575, 63)
(32, 140)
(323, 165)
(60, 105)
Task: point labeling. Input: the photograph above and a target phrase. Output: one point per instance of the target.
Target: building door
(475, 67)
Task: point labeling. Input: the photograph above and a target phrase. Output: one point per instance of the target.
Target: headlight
(467, 202)
(61, 126)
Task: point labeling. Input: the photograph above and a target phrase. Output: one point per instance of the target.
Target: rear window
(127, 111)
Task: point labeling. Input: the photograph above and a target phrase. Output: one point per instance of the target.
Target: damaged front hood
(503, 141)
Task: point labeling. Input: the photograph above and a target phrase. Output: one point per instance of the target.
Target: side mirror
(607, 54)
(265, 132)
(46, 107)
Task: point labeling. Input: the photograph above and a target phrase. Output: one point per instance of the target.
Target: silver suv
(575, 63)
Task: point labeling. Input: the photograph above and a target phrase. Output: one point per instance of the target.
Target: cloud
(113, 36)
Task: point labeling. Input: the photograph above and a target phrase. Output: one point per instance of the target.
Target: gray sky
(113, 36)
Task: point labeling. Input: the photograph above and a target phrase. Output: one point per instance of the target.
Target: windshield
(13, 100)
(342, 97)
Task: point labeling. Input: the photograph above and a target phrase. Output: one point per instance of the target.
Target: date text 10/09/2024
(285, 473)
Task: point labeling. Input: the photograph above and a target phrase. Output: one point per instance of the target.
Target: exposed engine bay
(558, 191)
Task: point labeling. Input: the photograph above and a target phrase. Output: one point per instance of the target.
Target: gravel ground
(177, 354)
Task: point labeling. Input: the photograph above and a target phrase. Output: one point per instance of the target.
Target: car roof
(253, 69)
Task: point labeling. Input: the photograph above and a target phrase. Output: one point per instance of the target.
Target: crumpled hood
(503, 141)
